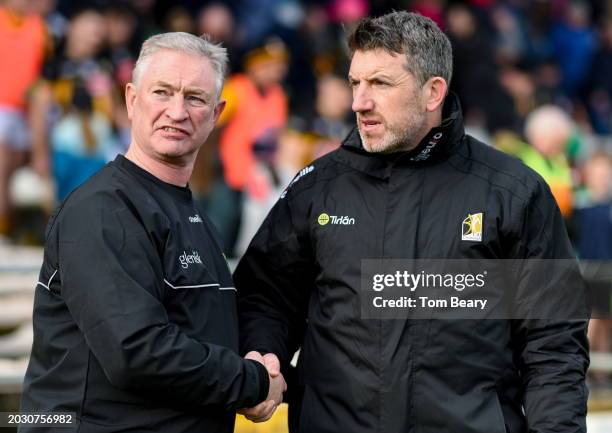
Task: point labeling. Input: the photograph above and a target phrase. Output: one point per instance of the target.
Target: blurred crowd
(534, 78)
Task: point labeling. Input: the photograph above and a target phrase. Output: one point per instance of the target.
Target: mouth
(369, 125)
(173, 130)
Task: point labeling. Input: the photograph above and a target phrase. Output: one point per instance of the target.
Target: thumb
(272, 363)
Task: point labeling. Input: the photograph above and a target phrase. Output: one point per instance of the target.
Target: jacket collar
(436, 146)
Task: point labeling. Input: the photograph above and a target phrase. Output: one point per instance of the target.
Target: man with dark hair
(408, 183)
(135, 322)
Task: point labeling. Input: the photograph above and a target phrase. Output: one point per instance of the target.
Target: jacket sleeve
(274, 280)
(549, 335)
(112, 283)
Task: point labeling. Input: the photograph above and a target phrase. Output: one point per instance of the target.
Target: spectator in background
(297, 146)
(56, 23)
(147, 23)
(269, 178)
(510, 37)
(548, 130)
(595, 209)
(600, 83)
(76, 98)
(121, 28)
(574, 42)
(22, 49)
(539, 19)
(432, 9)
(333, 119)
(217, 21)
(475, 69)
(177, 19)
(82, 141)
(256, 111)
(594, 219)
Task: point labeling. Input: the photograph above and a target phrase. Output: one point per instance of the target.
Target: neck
(433, 120)
(168, 172)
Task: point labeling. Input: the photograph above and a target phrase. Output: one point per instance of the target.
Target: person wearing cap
(135, 321)
(408, 183)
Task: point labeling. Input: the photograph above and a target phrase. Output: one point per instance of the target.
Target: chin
(175, 149)
(377, 146)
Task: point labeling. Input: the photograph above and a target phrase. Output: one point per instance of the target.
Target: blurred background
(534, 78)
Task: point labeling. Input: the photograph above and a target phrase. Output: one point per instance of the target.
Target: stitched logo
(195, 219)
(471, 229)
(189, 259)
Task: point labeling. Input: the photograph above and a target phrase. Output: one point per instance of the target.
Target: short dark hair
(428, 51)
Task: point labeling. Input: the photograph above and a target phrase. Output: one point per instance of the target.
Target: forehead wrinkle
(181, 88)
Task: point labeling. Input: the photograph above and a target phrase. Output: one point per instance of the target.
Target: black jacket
(135, 322)
(298, 285)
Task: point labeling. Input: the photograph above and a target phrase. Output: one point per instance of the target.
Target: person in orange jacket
(255, 113)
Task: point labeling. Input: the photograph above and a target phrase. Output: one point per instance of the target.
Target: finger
(272, 364)
(263, 413)
(255, 356)
(256, 411)
(268, 413)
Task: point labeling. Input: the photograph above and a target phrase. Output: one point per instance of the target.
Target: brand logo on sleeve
(471, 229)
(195, 219)
(189, 259)
(303, 172)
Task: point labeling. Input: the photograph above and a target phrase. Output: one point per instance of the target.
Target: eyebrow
(189, 90)
(374, 76)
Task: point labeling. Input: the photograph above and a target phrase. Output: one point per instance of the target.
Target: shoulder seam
(505, 173)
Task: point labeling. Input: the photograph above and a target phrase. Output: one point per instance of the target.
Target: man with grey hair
(135, 323)
(408, 184)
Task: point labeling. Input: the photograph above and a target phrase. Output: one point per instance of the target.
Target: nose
(362, 100)
(176, 109)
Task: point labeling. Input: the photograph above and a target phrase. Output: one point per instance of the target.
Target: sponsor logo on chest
(189, 259)
(342, 220)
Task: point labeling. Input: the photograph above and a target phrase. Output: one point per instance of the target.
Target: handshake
(264, 410)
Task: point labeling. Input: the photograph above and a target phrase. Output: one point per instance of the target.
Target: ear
(130, 98)
(219, 109)
(435, 92)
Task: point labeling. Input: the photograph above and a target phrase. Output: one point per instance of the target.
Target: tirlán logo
(189, 259)
(343, 220)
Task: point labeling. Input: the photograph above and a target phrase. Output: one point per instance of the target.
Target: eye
(353, 83)
(196, 100)
(160, 92)
(379, 83)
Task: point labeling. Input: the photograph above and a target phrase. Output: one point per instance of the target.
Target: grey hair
(427, 49)
(548, 119)
(186, 43)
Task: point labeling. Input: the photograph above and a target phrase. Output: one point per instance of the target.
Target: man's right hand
(264, 411)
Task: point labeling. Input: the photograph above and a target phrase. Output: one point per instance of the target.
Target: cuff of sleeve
(264, 381)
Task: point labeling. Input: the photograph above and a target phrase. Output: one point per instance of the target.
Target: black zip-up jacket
(135, 322)
(299, 281)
